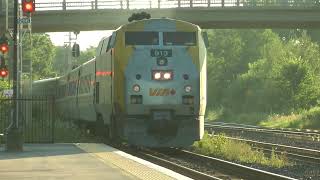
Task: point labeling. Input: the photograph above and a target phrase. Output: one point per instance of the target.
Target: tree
(40, 50)
(258, 71)
(60, 60)
(86, 55)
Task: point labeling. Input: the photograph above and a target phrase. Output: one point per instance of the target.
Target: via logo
(162, 91)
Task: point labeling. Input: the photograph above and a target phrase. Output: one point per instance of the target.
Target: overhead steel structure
(209, 14)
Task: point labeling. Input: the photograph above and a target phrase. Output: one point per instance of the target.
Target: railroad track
(307, 134)
(296, 153)
(222, 169)
(303, 140)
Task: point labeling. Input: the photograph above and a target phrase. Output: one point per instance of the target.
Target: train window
(142, 38)
(179, 38)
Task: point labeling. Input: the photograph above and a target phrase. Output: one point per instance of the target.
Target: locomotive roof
(156, 19)
(46, 80)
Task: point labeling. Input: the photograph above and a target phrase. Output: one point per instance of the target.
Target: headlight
(157, 75)
(167, 75)
(187, 88)
(162, 62)
(136, 88)
(162, 75)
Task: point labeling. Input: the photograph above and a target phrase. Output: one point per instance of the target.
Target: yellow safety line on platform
(109, 155)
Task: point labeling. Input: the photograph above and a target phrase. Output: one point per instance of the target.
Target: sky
(85, 38)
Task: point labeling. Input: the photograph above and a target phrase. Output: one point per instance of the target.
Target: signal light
(4, 45)
(4, 48)
(28, 6)
(4, 72)
(75, 50)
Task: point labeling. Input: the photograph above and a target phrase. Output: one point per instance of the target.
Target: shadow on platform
(45, 150)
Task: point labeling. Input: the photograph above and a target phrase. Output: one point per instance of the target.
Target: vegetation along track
(309, 140)
(295, 153)
(199, 166)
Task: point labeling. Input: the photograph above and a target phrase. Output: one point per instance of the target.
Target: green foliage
(306, 119)
(39, 49)
(258, 72)
(211, 146)
(86, 55)
(60, 60)
(3, 85)
(214, 114)
(220, 146)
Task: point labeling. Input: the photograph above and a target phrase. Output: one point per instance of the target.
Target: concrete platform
(78, 162)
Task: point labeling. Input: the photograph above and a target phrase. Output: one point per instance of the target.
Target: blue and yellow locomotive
(147, 84)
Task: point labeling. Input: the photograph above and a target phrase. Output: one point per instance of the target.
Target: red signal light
(4, 72)
(28, 6)
(4, 48)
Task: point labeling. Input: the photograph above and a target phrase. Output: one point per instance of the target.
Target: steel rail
(313, 135)
(177, 168)
(225, 167)
(237, 169)
(147, 155)
(267, 128)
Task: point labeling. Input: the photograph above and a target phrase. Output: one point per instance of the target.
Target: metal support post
(64, 5)
(14, 134)
(7, 15)
(96, 4)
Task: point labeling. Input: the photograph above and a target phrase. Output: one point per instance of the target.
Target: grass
(307, 119)
(297, 121)
(214, 114)
(221, 147)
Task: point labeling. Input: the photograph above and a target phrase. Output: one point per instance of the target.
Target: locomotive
(146, 84)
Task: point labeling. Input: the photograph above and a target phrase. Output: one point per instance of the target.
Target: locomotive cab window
(142, 38)
(179, 38)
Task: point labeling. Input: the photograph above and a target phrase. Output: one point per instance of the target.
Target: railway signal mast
(28, 6)
(14, 133)
(4, 45)
(4, 72)
(4, 48)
